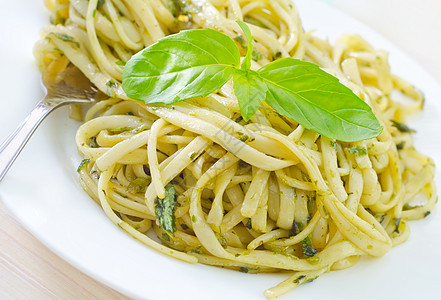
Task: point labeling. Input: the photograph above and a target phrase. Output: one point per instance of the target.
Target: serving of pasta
(264, 195)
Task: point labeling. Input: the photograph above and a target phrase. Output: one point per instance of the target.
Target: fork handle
(13, 145)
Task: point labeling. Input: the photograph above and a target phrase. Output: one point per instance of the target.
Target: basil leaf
(191, 63)
(250, 91)
(317, 100)
(246, 63)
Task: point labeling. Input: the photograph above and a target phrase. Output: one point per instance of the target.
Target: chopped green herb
(295, 229)
(193, 155)
(112, 83)
(240, 40)
(184, 226)
(278, 55)
(165, 237)
(244, 138)
(221, 240)
(120, 63)
(357, 150)
(139, 185)
(298, 279)
(165, 209)
(379, 217)
(119, 130)
(256, 55)
(171, 5)
(310, 204)
(402, 127)
(310, 279)
(308, 250)
(248, 225)
(334, 144)
(93, 143)
(82, 164)
(100, 3)
(324, 210)
(65, 38)
(401, 145)
(426, 214)
(193, 219)
(244, 270)
(237, 120)
(397, 222)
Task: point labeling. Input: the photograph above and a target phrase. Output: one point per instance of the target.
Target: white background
(413, 25)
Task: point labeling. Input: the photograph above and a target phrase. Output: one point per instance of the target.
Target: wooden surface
(29, 270)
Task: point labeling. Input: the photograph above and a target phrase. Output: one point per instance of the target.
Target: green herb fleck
(112, 83)
(295, 229)
(401, 145)
(193, 155)
(119, 130)
(82, 164)
(379, 217)
(240, 40)
(334, 144)
(256, 55)
(244, 270)
(165, 209)
(120, 63)
(193, 219)
(165, 237)
(221, 240)
(357, 150)
(402, 127)
(248, 225)
(426, 214)
(310, 204)
(397, 222)
(65, 38)
(243, 137)
(93, 143)
(100, 3)
(308, 250)
(298, 279)
(324, 210)
(139, 185)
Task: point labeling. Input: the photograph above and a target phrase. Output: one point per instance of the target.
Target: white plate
(42, 191)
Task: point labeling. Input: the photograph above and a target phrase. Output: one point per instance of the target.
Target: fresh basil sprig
(195, 63)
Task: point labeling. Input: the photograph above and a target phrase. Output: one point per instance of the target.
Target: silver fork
(69, 87)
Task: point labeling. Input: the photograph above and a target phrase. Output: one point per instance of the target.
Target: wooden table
(29, 270)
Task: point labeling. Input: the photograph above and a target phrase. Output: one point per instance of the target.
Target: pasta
(266, 195)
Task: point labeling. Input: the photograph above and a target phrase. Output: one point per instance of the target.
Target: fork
(68, 87)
